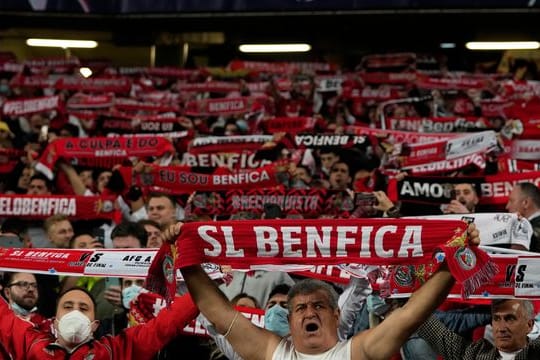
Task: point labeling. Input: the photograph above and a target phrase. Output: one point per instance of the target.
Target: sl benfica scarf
(402, 280)
(318, 242)
(437, 124)
(37, 81)
(43, 206)
(85, 101)
(127, 104)
(30, 106)
(291, 125)
(223, 106)
(228, 144)
(415, 154)
(494, 189)
(102, 151)
(100, 85)
(181, 179)
(322, 140)
(380, 77)
(161, 278)
(209, 86)
(308, 203)
(398, 136)
(280, 67)
(437, 167)
(525, 149)
(427, 82)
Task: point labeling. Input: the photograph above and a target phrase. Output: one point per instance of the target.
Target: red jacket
(25, 341)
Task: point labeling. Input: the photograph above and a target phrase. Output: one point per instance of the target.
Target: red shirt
(23, 340)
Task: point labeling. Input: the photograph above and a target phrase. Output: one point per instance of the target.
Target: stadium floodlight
(502, 45)
(85, 72)
(62, 43)
(274, 48)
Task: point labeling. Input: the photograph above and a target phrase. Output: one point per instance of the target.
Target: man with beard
(465, 200)
(21, 292)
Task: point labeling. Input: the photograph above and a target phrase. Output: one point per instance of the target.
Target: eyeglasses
(24, 285)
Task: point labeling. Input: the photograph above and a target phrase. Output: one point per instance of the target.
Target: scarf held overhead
(181, 179)
(101, 151)
(43, 206)
(373, 241)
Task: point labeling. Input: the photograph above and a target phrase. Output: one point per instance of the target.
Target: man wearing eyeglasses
(21, 292)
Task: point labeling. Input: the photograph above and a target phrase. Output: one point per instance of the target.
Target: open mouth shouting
(311, 327)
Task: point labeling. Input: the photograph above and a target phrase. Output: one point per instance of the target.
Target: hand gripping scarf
(317, 242)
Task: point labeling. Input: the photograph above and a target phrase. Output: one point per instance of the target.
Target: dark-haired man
(21, 292)
(107, 291)
(464, 201)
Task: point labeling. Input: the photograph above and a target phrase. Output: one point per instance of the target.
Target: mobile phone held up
(99, 235)
(365, 202)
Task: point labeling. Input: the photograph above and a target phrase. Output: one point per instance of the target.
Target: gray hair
(309, 286)
(528, 307)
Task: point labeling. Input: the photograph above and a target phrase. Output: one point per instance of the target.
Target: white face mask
(74, 327)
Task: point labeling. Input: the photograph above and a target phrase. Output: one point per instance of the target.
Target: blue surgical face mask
(129, 293)
(4, 89)
(20, 310)
(276, 320)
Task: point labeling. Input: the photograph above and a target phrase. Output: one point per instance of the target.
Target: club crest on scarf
(403, 275)
(471, 266)
(161, 278)
(466, 258)
(168, 268)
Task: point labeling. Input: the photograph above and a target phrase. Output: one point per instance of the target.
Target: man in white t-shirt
(314, 318)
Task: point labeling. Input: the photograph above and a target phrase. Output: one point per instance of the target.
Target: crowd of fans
(292, 140)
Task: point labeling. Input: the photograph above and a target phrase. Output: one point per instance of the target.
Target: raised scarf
(324, 242)
(181, 179)
(43, 206)
(101, 151)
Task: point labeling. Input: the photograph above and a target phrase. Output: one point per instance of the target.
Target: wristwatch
(393, 212)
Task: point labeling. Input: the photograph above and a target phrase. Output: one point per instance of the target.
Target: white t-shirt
(286, 351)
(507, 355)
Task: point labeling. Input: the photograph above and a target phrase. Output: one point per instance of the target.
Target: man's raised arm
(248, 340)
(384, 340)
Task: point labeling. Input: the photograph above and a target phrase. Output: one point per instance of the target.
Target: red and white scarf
(324, 242)
(182, 180)
(30, 106)
(102, 151)
(43, 206)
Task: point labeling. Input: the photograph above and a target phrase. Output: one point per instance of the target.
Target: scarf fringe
(483, 275)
